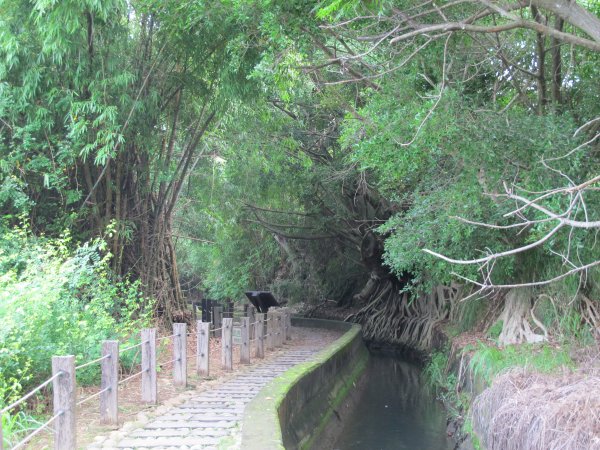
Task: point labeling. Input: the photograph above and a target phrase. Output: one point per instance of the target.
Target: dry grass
(524, 410)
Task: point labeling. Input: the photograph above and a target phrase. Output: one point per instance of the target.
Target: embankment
(294, 408)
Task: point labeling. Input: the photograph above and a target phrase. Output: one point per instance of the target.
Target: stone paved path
(212, 419)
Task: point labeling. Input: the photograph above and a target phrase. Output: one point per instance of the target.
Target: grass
(445, 385)
(488, 361)
(17, 425)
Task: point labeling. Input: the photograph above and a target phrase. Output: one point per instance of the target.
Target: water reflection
(395, 411)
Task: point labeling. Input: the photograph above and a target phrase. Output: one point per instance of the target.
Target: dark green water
(394, 411)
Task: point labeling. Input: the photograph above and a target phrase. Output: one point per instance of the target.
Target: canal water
(394, 411)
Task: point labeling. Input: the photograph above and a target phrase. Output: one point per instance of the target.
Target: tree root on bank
(394, 317)
(590, 313)
(518, 319)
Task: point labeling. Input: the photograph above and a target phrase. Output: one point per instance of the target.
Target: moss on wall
(294, 408)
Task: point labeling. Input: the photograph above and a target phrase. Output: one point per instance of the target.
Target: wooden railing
(266, 332)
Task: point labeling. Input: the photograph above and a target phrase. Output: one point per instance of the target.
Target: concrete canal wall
(293, 409)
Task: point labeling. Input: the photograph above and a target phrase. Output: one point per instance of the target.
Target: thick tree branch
(462, 26)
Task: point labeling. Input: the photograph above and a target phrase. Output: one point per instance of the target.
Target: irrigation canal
(394, 410)
(266, 408)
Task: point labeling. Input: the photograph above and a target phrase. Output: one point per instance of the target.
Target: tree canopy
(339, 150)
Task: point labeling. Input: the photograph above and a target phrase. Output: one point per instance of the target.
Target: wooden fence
(266, 331)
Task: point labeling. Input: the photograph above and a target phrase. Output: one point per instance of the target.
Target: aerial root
(519, 323)
(394, 317)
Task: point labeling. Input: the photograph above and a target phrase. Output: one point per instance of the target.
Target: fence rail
(259, 330)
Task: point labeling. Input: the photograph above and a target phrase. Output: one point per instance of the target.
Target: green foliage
(445, 384)
(472, 312)
(442, 168)
(56, 105)
(468, 430)
(234, 257)
(562, 308)
(56, 298)
(487, 361)
(434, 159)
(494, 331)
(571, 326)
(262, 191)
(435, 372)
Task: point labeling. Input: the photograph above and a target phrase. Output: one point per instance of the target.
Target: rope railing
(65, 386)
(97, 394)
(45, 425)
(137, 374)
(170, 362)
(122, 350)
(89, 363)
(30, 393)
(165, 337)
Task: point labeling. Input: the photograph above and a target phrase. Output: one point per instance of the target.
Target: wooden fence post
(260, 335)
(251, 332)
(281, 328)
(288, 325)
(245, 335)
(284, 330)
(284, 324)
(252, 317)
(218, 320)
(273, 326)
(227, 348)
(202, 348)
(278, 341)
(110, 380)
(270, 328)
(65, 437)
(149, 393)
(179, 354)
(276, 329)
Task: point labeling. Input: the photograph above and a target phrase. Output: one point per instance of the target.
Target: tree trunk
(557, 68)
(541, 64)
(517, 317)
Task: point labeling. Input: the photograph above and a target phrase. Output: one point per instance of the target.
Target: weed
(55, 299)
(445, 384)
(495, 330)
(488, 361)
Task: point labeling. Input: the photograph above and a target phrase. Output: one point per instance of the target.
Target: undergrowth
(445, 384)
(57, 298)
(487, 361)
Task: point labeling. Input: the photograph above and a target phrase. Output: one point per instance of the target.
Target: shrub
(58, 299)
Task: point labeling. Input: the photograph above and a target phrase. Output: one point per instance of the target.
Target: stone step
(185, 424)
(168, 442)
(180, 432)
(206, 417)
